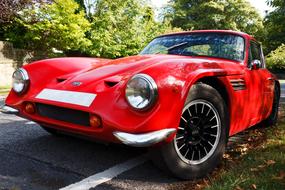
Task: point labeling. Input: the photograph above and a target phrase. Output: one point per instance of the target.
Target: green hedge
(275, 60)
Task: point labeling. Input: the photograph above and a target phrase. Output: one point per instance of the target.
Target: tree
(113, 28)
(10, 9)
(275, 25)
(214, 14)
(276, 59)
(53, 26)
(122, 27)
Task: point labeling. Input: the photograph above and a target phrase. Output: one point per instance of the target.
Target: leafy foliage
(122, 28)
(117, 28)
(215, 14)
(10, 8)
(58, 25)
(275, 25)
(112, 29)
(276, 59)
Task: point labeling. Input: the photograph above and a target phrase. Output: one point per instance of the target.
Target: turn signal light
(30, 108)
(95, 121)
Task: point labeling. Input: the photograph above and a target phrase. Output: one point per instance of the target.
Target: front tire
(201, 137)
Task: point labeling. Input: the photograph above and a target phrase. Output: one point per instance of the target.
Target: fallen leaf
(261, 166)
(253, 186)
(270, 162)
(254, 170)
(280, 176)
(238, 188)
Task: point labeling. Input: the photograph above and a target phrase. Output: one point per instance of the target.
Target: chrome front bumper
(8, 110)
(144, 140)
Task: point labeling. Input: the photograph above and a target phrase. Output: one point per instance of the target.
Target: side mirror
(255, 64)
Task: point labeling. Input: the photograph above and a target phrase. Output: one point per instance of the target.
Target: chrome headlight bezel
(20, 77)
(152, 91)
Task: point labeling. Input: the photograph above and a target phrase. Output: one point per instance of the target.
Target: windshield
(226, 46)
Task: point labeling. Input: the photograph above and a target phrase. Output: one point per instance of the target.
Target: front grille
(63, 114)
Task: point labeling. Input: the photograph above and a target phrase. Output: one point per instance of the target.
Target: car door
(268, 87)
(256, 75)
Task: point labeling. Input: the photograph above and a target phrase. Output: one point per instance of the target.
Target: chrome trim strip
(25, 74)
(143, 140)
(8, 110)
(26, 79)
(153, 87)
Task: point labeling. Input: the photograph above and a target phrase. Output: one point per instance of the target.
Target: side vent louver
(238, 84)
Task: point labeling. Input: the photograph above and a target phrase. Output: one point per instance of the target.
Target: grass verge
(4, 90)
(260, 163)
(255, 160)
(263, 167)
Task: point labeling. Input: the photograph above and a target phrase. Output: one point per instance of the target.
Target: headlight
(141, 92)
(20, 81)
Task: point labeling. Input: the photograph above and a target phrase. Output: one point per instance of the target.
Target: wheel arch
(220, 86)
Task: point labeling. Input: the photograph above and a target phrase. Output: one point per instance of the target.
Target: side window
(256, 53)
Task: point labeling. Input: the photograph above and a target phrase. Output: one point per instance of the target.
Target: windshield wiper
(173, 47)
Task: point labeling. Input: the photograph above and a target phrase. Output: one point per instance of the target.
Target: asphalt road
(32, 159)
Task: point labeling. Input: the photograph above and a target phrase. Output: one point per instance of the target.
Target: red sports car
(183, 96)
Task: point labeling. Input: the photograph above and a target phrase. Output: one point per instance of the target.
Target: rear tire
(200, 142)
(273, 117)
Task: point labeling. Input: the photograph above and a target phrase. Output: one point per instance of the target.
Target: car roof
(210, 31)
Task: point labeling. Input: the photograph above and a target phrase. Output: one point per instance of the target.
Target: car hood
(134, 64)
(111, 72)
(120, 68)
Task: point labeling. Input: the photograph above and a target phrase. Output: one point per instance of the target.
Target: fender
(51, 71)
(222, 77)
(52, 68)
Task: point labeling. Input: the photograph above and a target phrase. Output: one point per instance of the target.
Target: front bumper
(144, 140)
(8, 110)
(136, 140)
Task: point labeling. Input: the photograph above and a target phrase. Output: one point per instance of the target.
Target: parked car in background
(183, 97)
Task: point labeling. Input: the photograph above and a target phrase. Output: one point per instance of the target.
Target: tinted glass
(219, 45)
(255, 51)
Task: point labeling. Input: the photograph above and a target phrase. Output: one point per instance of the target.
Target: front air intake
(64, 114)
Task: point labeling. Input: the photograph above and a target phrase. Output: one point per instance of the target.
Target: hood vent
(111, 83)
(238, 84)
(59, 80)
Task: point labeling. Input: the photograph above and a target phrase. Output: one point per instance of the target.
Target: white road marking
(106, 175)
(30, 123)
